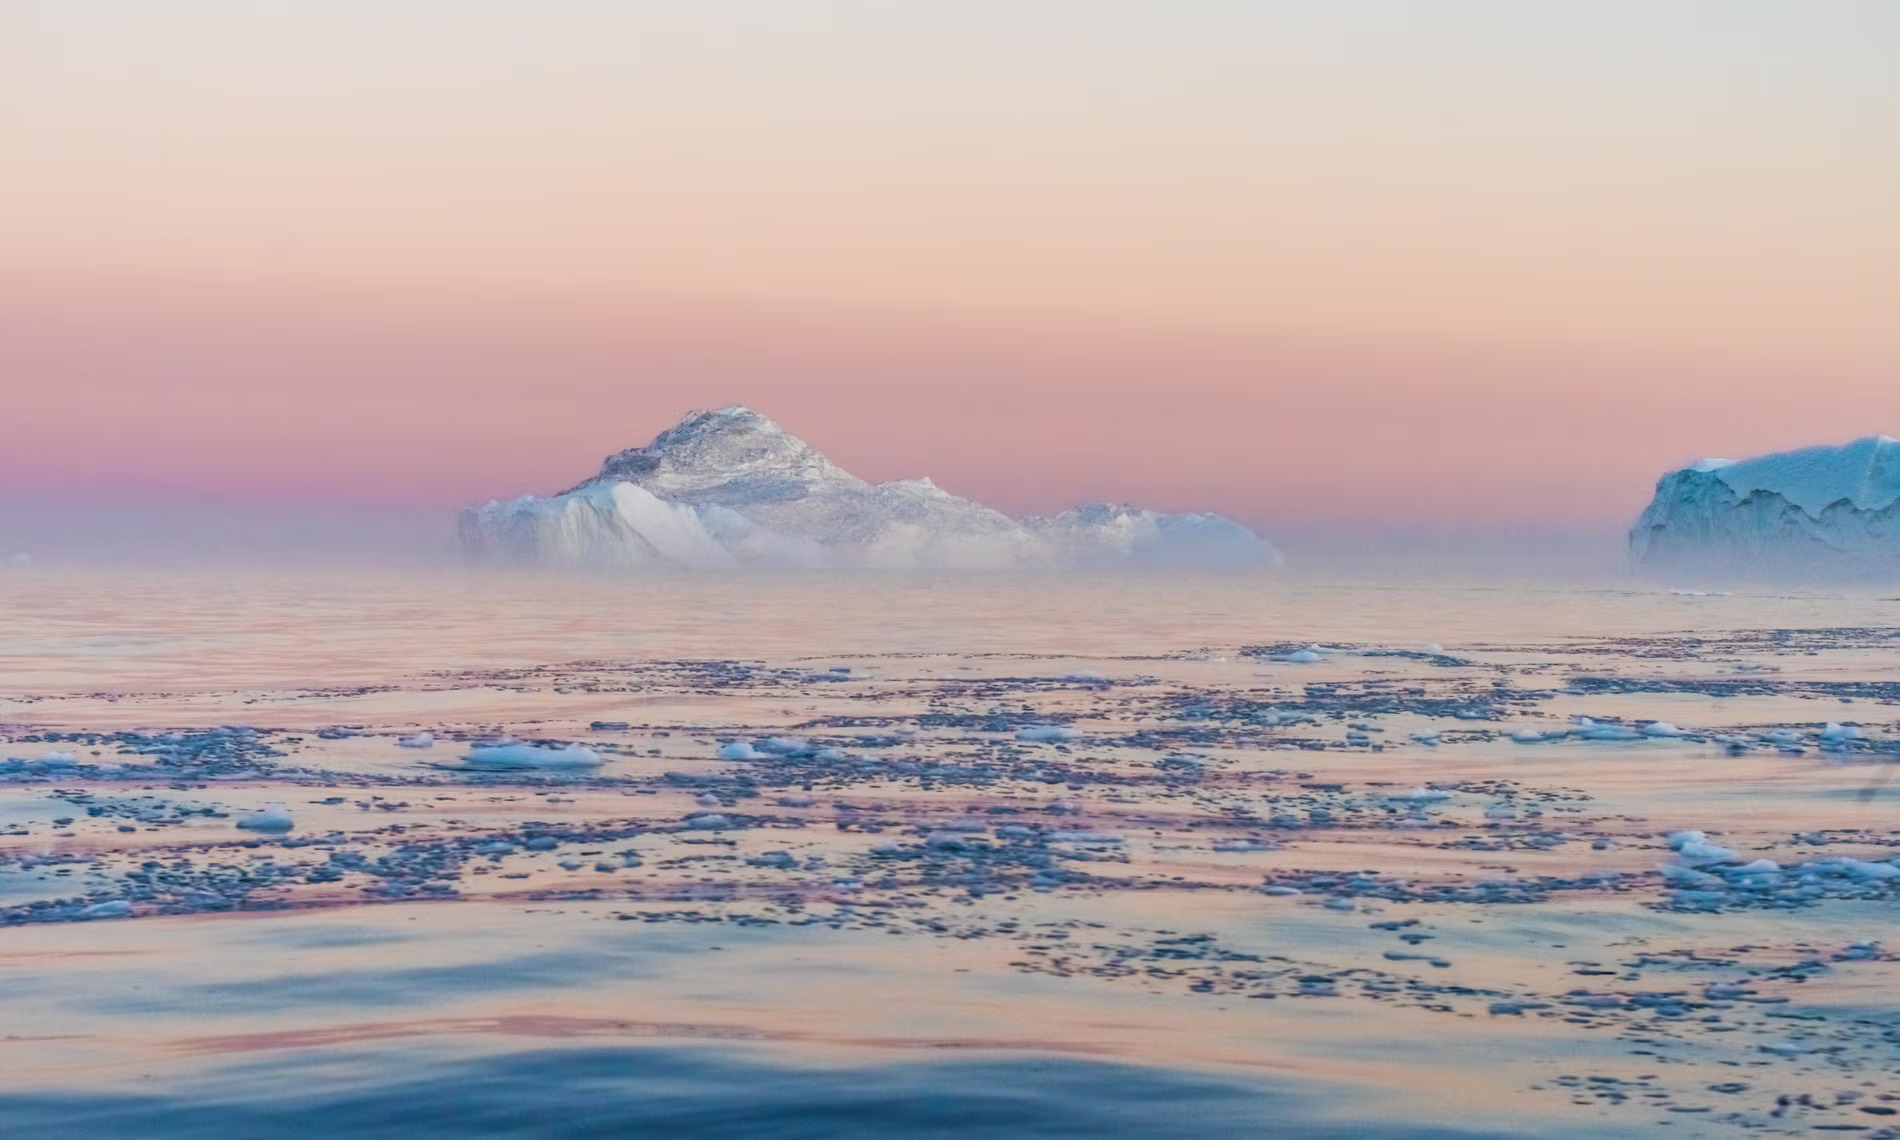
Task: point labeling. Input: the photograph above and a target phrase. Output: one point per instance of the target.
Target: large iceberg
(729, 489)
(1826, 511)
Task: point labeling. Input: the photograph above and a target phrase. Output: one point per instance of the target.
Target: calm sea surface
(885, 856)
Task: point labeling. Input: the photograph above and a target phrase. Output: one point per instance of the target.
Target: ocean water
(1105, 855)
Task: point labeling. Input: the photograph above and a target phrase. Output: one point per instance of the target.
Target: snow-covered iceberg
(1819, 510)
(729, 488)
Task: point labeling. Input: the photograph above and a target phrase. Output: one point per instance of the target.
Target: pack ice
(1826, 509)
(731, 489)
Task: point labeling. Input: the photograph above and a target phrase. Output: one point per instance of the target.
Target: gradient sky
(1456, 264)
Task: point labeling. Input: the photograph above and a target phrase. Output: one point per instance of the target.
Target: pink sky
(1496, 268)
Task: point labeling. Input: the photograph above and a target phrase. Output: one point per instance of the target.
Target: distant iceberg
(730, 489)
(1826, 511)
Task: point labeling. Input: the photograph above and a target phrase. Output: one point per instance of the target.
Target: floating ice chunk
(1428, 737)
(1105, 837)
(1839, 733)
(1280, 892)
(709, 801)
(1046, 732)
(117, 908)
(1305, 656)
(783, 745)
(796, 801)
(1856, 869)
(1589, 729)
(708, 822)
(570, 864)
(1421, 796)
(1242, 845)
(1434, 647)
(419, 740)
(1339, 902)
(1677, 839)
(57, 760)
(1677, 875)
(1662, 728)
(947, 840)
(519, 757)
(1084, 676)
(1779, 736)
(1529, 736)
(272, 818)
(1700, 853)
(740, 750)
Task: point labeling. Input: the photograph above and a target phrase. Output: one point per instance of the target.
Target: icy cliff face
(1826, 511)
(730, 488)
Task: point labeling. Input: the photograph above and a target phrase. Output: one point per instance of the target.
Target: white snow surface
(1817, 510)
(729, 489)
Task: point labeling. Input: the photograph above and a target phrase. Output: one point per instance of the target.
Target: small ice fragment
(1421, 795)
(1839, 733)
(1428, 737)
(1660, 728)
(1084, 676)
(1590, 730)
(1044, 732)
(740, 750)
(708, 822)
(1677, 875)
(709, 801)
(1306, 656)
(419, 740)
(1108, 837)
(1856, 869)
(272, 818)
(796, 801)
(1280, 892)
(1434, 647)
(515, 757)
(1338, 902)
(1698, 854)
(117, 908)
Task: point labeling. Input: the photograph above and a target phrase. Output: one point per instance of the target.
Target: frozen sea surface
(1140, 856)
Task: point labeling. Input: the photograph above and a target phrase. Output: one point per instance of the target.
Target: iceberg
(1829, 511)
(730, 489)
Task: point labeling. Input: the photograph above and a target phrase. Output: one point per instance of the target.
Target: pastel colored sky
(1468, 263)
